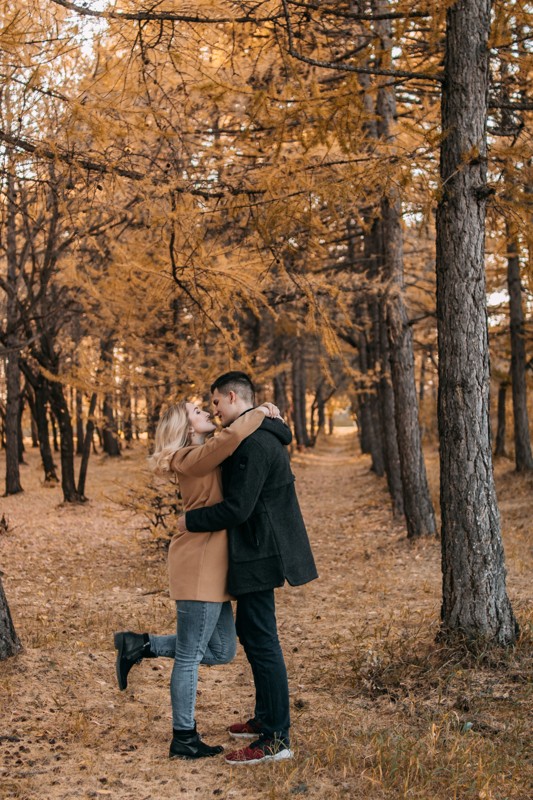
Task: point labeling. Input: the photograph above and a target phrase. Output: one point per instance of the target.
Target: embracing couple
(241, 537)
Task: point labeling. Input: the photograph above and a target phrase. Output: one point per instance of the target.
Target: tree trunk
(20, 432)
(321, 408)
(475, 603)
(522, 443)
(41, 400)
(127, 412)
(12, 369)
(54, 431)
(61, 413)
(135, 416)
(499, 450)
(30, 396)
(86, 451)
(364, 418)
(280, 393)
(34, 433)
(377, 447)
(39, 410)
(109, 433)
(422, 387)
(153, 411)
(299, 393)
(280, 378)
(2, 428)
(388, 425)
(418, 508)
(372, 350)
(370, 437)
(79, 423)
(9, 641)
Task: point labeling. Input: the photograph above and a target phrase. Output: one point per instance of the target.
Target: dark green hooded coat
(268, 542)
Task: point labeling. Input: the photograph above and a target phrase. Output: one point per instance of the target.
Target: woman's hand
(270, 410)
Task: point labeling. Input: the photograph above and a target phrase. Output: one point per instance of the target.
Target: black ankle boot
(132, 647)
(188, 744)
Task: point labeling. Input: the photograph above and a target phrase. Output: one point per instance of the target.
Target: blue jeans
(205, 635)
(258, 634)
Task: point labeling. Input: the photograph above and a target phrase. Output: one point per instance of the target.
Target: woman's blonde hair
(172, 433)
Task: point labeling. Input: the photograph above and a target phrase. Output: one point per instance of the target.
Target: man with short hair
(268, 544)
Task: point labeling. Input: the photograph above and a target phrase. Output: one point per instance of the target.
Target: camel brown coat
(198, 562)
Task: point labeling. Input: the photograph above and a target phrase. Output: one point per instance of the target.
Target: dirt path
(74, 575)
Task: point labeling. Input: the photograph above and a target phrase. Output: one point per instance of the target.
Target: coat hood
(278, 429)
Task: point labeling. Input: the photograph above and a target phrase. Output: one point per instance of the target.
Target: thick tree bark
(475, 603)
(522, 442)
(13, 485)
(9, 641)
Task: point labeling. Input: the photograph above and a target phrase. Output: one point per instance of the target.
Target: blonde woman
(198, 566)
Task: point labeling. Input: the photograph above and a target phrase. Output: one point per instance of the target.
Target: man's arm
(250, 468)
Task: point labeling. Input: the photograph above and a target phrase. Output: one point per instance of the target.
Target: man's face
(225, 407)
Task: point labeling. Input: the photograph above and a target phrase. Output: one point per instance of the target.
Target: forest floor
(379, 710)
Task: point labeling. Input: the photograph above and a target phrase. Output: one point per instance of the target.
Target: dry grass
(379, 710)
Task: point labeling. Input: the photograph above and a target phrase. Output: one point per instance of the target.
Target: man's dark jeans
(257, 632)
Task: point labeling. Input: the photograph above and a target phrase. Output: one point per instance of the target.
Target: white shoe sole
(281, 756)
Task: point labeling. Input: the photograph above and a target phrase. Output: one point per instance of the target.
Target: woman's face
(200, 420)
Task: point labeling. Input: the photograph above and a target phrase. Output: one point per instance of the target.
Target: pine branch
(161, 16)
(100, 167)
(334, 65)
(526, 105)
(357, 16)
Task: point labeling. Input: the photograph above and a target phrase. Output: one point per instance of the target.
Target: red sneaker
(245, 730)
(264, 749)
